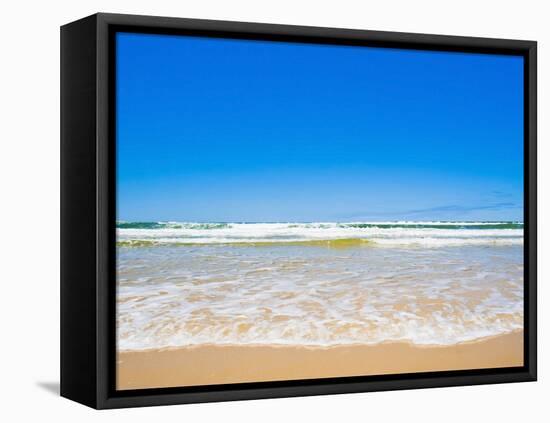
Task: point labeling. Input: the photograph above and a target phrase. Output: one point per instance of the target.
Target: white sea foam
(378, 233)
(171, 296)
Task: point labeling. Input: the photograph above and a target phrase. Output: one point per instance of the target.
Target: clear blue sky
(236, 130)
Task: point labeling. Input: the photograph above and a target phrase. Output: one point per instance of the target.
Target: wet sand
(212, 364)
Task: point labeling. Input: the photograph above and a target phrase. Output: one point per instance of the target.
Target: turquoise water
(371, 233)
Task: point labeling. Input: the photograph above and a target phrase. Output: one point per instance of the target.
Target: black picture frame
(88, 211)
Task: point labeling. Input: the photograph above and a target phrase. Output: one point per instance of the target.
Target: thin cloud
(500, 194)
(455, 208)
(439, 209)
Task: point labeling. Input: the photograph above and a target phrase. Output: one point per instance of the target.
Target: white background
(29, 175)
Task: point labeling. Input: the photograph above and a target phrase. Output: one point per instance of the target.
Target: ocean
(316, 284)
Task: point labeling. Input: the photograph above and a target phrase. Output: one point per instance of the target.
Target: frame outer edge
(533, 167)
(78, 242)
(313, 31)
(103, 203)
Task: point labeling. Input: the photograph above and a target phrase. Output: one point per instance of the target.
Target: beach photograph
(291, 211)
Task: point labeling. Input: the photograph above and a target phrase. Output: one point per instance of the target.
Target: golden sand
(210, 364)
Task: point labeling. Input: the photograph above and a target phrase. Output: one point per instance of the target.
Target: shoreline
(221, 364)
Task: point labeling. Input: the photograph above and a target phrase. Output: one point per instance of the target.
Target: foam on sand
(308, 291)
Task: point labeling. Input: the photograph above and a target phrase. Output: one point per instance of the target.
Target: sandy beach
(203, 365)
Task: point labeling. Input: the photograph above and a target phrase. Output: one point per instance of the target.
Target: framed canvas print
(256, 211)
